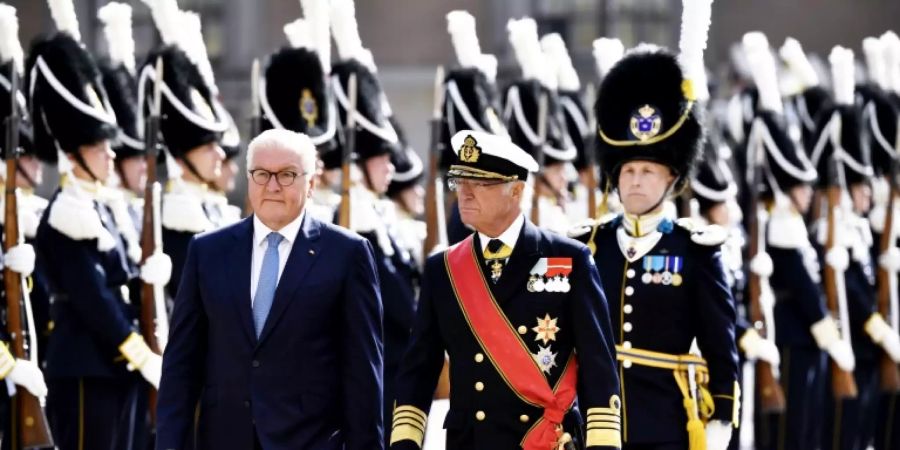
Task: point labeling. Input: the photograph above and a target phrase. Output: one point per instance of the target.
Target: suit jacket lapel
(241, 254)
(303, 254)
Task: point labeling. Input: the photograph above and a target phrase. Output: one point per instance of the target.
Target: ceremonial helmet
(294, 92)
(841, 134)
(68, 101)
(571, 103)
(880, 115)
(191, 116)
(118, 74)
(713, 181)
(522, 99)
(408, 167)
(806, 99)
(646, 110)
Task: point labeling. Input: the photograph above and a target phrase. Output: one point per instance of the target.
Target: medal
(657, 278)
(647, 276)
(676, 269)
(666, 275)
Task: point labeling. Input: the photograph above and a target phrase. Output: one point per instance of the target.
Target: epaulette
(76, 218)
(708, 235)
(590, 227)
(581, 228)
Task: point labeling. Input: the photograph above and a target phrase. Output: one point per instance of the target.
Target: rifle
(347, 153)
(29, 428)
(590, 159)
(255, 118)
(154, 321)
(539, 156)
(770, 393)
(435, 224)
(887, 284)
(842, 383)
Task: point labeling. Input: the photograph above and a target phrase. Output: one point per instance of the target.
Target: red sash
(507, 352)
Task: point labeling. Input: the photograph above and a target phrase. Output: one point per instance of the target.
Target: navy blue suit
(312, 380)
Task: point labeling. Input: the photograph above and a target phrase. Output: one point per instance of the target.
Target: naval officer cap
(481, 155)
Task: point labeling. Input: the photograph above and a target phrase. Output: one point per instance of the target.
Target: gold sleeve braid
(604, 425)
(409, 423)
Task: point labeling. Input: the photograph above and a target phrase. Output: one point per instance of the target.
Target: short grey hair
(298, 143)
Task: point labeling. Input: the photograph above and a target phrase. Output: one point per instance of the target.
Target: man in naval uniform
(95, 346)
(511, 305)
(664, 278)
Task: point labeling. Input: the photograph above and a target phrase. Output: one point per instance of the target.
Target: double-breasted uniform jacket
(553, 324)
(666, 287)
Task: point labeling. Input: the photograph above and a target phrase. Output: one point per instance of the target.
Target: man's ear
(518, 189)
(311, 186)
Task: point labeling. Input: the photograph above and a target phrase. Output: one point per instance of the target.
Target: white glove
(828, 338)
(718, 435)
(157, 269)
(890, 260)
(755, 347)
(761, 265)
(838, 258)
(27, 374)
(20, 258)
(140, 357)
(883, 335)
(842, 354)
(152, 370)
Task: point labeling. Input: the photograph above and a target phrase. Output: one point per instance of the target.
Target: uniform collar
(288, 232)
(508, 237)
(639, 226)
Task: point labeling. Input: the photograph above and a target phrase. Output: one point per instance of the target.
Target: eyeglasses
(455, 184)
(284, 178)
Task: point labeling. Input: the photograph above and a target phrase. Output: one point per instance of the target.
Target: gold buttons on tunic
(627, 327)
(626, 364)
(629, 291)
(630, 273)
(479, 386)
(523, 418)
(523, 329)
(480, 415)
(479, 357)
(627, 309)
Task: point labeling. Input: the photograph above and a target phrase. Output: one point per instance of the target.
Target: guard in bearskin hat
(95, 347)
(192, 125)
(650, 127)
(370, 215)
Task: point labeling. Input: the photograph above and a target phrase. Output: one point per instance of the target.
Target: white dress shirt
(289, 234)
(508, 237)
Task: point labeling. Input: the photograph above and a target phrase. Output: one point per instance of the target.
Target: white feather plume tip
(166, 18)
(10, 48)
(116, 18)
(487, 64)
(843, 75)
(524, 40)
(607, 52)
(874, 50)
(461, 26)
(762, 68)
(795, 58)
(316, 14)
(345, 30)
(892, 59)
(193, 45)
(63, 12)
(566, 76)
(298, 34)
(696, 17)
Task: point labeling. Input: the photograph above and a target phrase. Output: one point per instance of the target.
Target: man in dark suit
(295, 364)
(522, 316)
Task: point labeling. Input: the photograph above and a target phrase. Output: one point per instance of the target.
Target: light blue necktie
(268, 281)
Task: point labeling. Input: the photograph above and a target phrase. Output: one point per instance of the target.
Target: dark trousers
(850, 424)
(93, 413)
(887, 430)
(803, 372)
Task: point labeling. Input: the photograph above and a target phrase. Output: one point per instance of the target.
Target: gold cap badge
(469, 152)
(646, 123)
